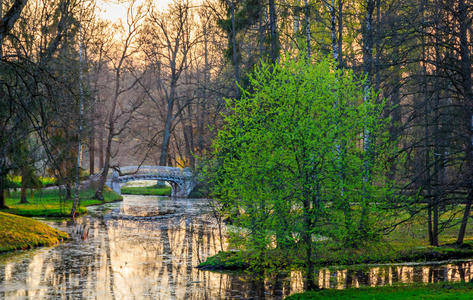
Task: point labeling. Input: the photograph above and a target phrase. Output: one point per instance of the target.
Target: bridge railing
(153, 170)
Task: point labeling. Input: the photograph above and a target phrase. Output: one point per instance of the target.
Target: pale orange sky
(113, 11)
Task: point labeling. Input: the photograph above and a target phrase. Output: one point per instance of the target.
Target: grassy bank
(50, 203)
(147, 190)
(443, 291)
(24, 233)
(379, 253)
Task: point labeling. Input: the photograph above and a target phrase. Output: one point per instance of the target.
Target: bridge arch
(181, 180)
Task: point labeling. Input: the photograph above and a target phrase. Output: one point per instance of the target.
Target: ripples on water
(148, 247)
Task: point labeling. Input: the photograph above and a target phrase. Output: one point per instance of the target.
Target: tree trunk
(203, 104)
(273, 23)
(437, 145)
(188, 126)
(23, 188)
(468, 121)
(103, 177)
(75, 202)
(333, 29)
(307, 240)
(433, 238)
(431, 213)
(261, 29)
(396, 113)
(23, 191)
(190, 130)
(166, 135)
(9, 19)
(111, 133)
(235, 57)
(466, 216)
(68, 191)
(92, 147)
(367, 138)
(340, 34)
(368, 46)
(3, 204)
(307, 27)
(101, 152)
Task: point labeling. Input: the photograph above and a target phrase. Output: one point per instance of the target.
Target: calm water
(148, 247)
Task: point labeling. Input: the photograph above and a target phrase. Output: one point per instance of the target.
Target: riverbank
(18, 233)
(147, 190)
(233, 260)
(50, 203)
(441, 291)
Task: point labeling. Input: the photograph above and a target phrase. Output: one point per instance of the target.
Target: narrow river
(148, 247)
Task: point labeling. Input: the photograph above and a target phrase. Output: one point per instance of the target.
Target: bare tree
(121, 109)
(170, 38)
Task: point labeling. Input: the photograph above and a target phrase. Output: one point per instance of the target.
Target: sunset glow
(115, 10)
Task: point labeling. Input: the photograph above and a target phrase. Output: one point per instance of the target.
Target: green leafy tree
(278, 167)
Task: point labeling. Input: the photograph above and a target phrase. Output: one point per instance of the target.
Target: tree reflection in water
(137, 252)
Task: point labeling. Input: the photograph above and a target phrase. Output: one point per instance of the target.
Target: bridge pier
(183, 189)
(175, 189)
(115, 183)
(116, 187)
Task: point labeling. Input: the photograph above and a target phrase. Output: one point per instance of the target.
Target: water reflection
(147, 248)
(388, 275)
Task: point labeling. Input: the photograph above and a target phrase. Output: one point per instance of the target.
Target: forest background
(79, 92)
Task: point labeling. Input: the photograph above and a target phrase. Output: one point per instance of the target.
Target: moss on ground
(442, 291)
(49, 203)
(24, 233)
(148, 190)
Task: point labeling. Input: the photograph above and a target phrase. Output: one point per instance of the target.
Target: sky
(113, 11)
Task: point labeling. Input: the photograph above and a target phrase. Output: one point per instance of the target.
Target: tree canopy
(289, 163)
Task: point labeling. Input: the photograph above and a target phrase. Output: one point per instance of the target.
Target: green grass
(385, 252)
(227, 260)
(45, 181)
(147, 190)
(24, 233)
(50, 204)
(442, 291)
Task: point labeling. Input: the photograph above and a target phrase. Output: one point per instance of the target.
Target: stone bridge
(181, 180)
